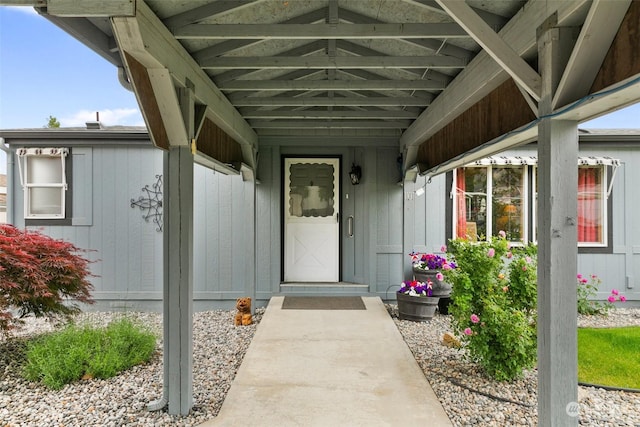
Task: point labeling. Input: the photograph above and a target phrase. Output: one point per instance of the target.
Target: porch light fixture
(355, 174)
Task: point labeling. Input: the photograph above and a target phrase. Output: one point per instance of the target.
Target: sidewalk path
(329, 368)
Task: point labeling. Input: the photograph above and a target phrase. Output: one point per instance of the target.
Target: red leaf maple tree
(40, 276)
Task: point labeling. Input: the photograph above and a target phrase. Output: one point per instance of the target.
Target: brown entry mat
(323, 303)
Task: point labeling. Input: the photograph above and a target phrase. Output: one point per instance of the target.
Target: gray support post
(251, 279)
(557, 248)
(178, 279)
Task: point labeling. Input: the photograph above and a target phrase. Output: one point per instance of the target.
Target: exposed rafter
(494, 45)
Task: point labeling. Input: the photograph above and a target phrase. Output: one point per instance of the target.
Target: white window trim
(55, 152)
(606, 191)
(488, 165)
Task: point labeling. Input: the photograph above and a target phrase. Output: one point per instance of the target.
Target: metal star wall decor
(151, 203)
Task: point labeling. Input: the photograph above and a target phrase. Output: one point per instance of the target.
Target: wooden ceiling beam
(319, 31)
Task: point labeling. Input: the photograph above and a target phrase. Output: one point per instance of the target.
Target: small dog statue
(243, 316)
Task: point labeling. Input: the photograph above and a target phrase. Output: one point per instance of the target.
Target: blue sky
(44, 71)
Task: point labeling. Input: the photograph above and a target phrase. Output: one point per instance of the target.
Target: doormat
(323, 303)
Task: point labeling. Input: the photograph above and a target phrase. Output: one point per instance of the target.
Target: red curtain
(589, 206)
(461, 208)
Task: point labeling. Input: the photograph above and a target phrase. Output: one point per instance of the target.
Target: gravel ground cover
(469, 398)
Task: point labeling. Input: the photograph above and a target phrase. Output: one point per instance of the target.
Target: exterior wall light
(355, 174)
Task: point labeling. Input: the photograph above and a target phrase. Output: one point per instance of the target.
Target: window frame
(25, 155)
(489, 201)
(606, 208)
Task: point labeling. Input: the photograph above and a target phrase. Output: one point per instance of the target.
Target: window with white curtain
(43, 175)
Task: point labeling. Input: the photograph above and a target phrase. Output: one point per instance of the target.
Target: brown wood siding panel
(213, 142)
(147, 101)
(501, 111)
(623, 59)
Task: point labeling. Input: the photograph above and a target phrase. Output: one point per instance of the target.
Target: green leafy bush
(75, 352)
(494, 304)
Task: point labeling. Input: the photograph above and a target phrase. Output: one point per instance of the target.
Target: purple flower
(475, 318)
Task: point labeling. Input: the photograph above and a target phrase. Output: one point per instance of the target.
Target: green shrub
(494, 304)
(75, 352)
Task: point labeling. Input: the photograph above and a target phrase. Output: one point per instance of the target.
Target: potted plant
(429, 268)
(415, 301)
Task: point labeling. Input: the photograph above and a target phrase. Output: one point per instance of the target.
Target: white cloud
(23, 9)
(108, 117)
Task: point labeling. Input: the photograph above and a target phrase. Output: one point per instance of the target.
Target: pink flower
(443, 248)
(491, 253)
(583, 281)
(579, 276)
(614, 292)
(439, 276)
(502, 234)
(509, 255)
(475, 318)
(468, 331)
(505, 288)
(528, 259)
(623, 298)
(524, 268)
(611, 298)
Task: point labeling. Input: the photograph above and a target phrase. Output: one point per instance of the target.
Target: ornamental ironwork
(150, 203)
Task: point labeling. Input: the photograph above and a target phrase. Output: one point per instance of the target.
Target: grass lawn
(609, 356)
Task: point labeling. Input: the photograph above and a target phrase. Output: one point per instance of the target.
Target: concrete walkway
(329, 368)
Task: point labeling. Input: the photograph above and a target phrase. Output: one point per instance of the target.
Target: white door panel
(311, 220)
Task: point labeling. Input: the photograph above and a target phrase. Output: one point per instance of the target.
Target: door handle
(350, 226)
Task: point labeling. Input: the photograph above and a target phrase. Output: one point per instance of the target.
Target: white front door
(311, 227)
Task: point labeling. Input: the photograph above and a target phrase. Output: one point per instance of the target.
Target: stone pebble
(462, 388)
(469, 398)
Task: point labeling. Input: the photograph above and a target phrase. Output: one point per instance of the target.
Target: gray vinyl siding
(389, 222)
(126, 251)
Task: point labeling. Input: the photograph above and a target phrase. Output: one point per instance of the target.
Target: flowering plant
(416, 289)
(431, 261)
(587, 289)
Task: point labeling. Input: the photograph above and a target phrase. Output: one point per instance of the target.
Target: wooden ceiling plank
(203, 12)
(228, 46)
